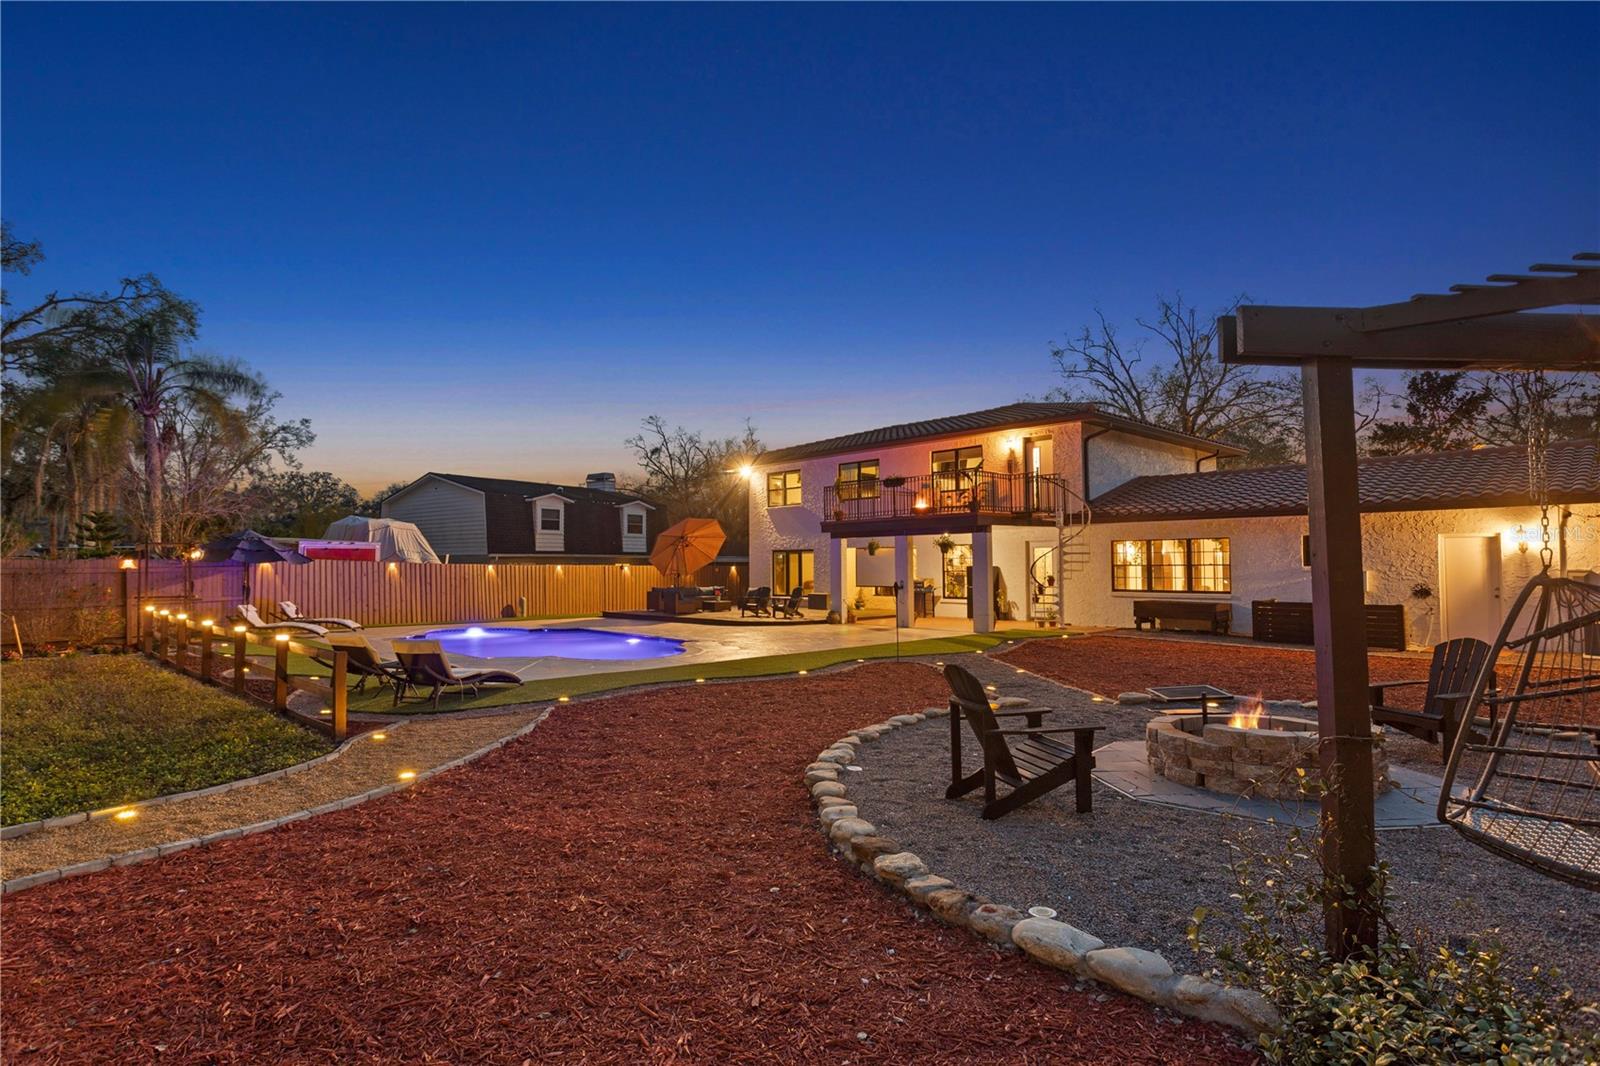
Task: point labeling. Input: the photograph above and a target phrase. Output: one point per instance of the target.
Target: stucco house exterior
(1078, 514)
(471, 519)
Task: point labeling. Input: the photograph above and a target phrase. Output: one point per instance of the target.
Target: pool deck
(702, 644)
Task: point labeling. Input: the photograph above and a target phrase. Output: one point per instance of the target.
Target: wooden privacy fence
(89, 601)
(1283, 622)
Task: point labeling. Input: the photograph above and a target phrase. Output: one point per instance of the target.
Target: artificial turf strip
(84, 732)
(639, 880)
(537, 690)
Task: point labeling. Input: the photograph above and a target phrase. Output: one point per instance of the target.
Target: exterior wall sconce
(1523, 538)
(128, 564)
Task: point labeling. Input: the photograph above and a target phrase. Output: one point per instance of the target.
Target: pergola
(1472, 327)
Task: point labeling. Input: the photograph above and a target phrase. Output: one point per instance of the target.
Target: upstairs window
(950, 460)
(1199, 564)
(858, 480)
(550, 519)
(783, 489)
(633, 524)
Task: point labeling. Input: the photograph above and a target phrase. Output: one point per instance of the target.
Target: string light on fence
(241, 629)
(208, 622)
(150, 608)
(282, 638)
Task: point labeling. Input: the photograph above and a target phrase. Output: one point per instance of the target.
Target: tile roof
(1011, 415)
(1484, 477)
(525, 489)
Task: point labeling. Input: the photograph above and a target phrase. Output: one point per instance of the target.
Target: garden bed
(89, 731)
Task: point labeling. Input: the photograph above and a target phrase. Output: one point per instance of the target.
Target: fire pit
(1248, 752)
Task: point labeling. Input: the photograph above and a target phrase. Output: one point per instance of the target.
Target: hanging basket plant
(893, 482)
(945, 543)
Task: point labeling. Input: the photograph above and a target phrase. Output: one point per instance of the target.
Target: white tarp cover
(396, 540)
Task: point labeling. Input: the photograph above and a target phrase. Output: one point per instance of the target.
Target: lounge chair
(362, 660)
(423, 664)
(756, 602)
(1452, 673)
(253, 619)
(1030, 768)
(789, 608)
(291, 612)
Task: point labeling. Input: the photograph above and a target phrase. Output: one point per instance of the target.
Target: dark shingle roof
(524, 489)
(1011, 415)
(1485, 477)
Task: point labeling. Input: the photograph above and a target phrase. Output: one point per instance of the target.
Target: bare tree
(694, 475)
(1184, 387)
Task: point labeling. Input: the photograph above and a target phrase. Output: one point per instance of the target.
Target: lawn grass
(83, 732)
(762, 666)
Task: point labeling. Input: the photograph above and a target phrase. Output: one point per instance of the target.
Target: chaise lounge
(423, 665)
(291, 612)
(253, 619)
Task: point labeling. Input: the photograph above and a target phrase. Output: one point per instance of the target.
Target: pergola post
(1344, 718)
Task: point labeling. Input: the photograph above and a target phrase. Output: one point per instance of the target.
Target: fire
(1250, 717)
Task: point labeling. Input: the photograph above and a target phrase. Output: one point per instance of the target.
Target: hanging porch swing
(1523, 779)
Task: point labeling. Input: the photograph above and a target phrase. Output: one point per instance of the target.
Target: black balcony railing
(964, 492)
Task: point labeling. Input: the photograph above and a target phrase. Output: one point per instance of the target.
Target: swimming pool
(504, 642)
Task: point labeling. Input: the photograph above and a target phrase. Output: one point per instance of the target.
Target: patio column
(841, 579)
(904, 567)
(982, 590)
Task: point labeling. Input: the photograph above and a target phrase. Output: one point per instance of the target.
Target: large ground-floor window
(1198, 564)
(957, 561)
(791, 570)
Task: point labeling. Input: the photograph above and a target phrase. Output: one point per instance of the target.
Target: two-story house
(952, 509)
(1049, 510)
(489, 519)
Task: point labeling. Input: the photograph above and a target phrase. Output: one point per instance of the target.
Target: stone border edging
(130, 858)
(1056, 944)
(22, 829)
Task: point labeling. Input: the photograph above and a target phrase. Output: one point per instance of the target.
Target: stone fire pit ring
(1271, 757)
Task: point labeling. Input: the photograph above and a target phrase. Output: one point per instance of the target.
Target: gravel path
(638, 880)
(367, 764)
(1132, 873)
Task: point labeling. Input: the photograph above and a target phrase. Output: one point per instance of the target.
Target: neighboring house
(486, 519)
(1108, 511)
(852, 515)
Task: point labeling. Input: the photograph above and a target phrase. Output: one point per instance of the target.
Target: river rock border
(130, 858)
(1053, 943)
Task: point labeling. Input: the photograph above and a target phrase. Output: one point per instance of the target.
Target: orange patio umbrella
(687, 546)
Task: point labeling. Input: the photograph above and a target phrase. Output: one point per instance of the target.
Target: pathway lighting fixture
(407, 775)
(127, 816)
(380, 736)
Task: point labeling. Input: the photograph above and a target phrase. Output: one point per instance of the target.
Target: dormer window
(550, 520)
(550, 523)
(633, 524)
(634, 530)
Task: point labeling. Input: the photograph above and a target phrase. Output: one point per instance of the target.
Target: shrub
(1394, 1004)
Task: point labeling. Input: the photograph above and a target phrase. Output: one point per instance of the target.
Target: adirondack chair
(1031, 766)
(424, 665)
(790, 608)
(1455, 668)
(756, 601)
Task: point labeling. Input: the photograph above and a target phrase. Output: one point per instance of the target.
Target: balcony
(970, 495)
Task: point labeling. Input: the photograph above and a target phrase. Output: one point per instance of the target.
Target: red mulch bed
(1109, 665)
(601, 890)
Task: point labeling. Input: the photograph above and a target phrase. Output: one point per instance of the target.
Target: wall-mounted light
(394, 568)
(128, 564)
(1523, 538)
(490, 570)
(746, 471)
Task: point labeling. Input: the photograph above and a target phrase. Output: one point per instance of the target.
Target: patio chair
(789, 608)
(362, 660)
(1454, 670)
(291, 612)
(1030, 767)
(756, 602)
(423, 665)
(253, 619)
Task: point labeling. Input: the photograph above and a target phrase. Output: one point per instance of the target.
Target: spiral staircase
(1048, 572)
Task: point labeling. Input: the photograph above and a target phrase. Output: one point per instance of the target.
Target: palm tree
(156, 376)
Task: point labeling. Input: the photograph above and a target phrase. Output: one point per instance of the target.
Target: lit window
(783, 489)
(858, 480)
(550, 519)
(1201, 564)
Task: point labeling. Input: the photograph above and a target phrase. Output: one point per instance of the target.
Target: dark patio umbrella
(249, 547)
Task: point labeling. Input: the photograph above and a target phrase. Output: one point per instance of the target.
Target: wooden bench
(1218, 615)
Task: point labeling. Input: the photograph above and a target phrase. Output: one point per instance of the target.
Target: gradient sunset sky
(490, 239)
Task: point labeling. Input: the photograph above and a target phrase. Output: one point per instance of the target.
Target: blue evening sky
(491, 239)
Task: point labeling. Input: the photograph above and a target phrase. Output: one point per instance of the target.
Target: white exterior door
(1469, 586)
(1041, 565)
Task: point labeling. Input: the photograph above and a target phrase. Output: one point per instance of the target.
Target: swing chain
(1539, 465)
